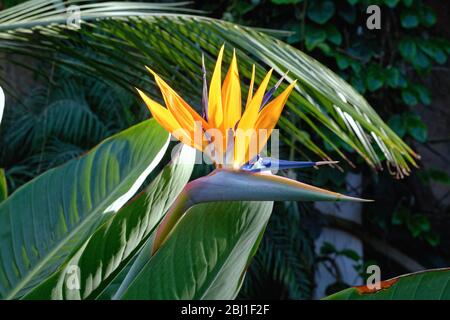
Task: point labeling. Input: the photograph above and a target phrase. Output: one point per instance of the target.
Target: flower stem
(181, 204)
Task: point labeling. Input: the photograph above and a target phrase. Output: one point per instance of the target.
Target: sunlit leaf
(45, 219)
(110, 247)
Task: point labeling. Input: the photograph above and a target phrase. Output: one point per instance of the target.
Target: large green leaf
(44, 220)
(117, 49)
(109, 248)
(424, 285)
(206, 255)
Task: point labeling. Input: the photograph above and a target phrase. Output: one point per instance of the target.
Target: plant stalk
(177, 209)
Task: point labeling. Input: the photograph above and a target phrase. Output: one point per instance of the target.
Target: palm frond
(117, 39)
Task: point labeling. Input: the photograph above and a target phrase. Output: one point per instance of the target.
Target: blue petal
(262, 164)
(272, 90)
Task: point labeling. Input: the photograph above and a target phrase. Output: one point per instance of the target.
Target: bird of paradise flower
(241, 174)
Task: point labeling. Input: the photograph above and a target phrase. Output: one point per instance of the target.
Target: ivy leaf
(407, 48)
(361, 51)
(432, 238)
(427, 16)
(313, 37)
(409, 97)
(409, 19)
(325, 48)
(355, 65)
(423, 93)
(342, 61)
(400, 216)
(374, 78)
(398, 124)
(417, 224)
(407, 3)
(440, 57)
(423, 222)
(320, 11)
(417, 129)
(402, 81)
(396, 219)
(333, 35)
(433, 51)
(358, 84)
(414, 230)
(393, 77)
(349, 14)
(421, 61)
(391, 3)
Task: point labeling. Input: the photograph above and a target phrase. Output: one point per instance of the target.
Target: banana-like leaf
(205, 257)
(109, 248)
(424, 285)
(3, 186)
(117, 49)
(44, 220)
